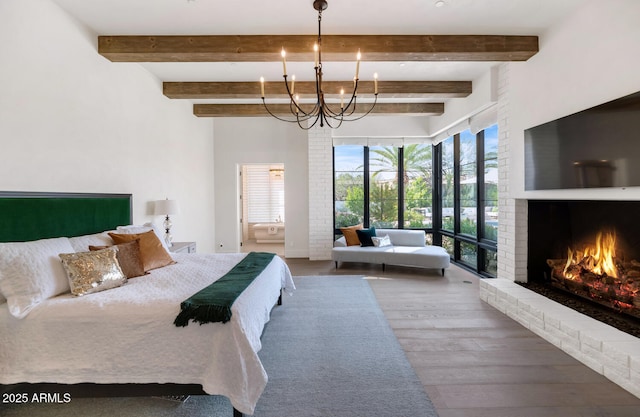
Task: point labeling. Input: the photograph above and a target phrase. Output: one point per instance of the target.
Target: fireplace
(586, 254)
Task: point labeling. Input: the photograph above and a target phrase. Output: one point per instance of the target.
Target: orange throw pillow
(153, 254)
(350, 234)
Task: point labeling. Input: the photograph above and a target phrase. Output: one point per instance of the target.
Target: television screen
(597, 147)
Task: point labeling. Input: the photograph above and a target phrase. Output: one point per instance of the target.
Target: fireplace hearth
(585, 254)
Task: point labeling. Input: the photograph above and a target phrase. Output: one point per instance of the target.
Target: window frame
(481, 243)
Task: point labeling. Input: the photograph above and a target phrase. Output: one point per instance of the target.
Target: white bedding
(127, 335)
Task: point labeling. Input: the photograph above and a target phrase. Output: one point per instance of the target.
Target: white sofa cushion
(404, 237)
(427, 257)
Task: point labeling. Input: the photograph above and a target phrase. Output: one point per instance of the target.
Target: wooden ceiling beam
(258, 110)
(336, 48)
(273, 89)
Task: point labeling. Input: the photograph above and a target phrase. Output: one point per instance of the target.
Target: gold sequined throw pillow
(91, 272)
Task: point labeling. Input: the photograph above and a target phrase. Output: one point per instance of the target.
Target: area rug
(329, 351)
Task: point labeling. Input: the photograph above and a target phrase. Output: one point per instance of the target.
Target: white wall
(72, 121)
(587, 59)
(240, 141)
(583, 61)
(459, 111)
(385, 126)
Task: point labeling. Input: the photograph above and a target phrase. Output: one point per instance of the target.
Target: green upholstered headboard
(28, 216)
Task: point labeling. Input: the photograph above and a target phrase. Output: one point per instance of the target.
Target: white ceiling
(288, 17)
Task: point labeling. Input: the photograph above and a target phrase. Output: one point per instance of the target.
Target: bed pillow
(381, 242)
(31, 272)
(365, 235)
(91, 272)
(135, 229)
(128, 256)
(153, 254)
(82, 243)
(350, 234)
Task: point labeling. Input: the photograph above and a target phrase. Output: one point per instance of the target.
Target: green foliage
(354, 200)
(447, 223)
(491, 192)
(415, 219)
(345, 181)
(417, 162)
(383, 204)
(417, 193)
(468, 227)
(347, 219)
(491, 232)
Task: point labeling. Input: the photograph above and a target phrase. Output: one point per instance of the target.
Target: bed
(126, 335)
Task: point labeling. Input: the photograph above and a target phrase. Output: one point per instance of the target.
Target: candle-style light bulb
(315, 54)
(293, 83)
(262, 86)
(342, 98)
(296, 101)
(375, 83)
(284, 62)
(358, 64)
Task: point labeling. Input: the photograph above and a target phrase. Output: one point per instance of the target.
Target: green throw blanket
(213, 303)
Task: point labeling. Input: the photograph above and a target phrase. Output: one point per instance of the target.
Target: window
(383, 186)
(264, 193)
(468, 253)
(349, 198)
(491, 183)
(468, 207)
(397, 187)
(447, 181)
(417, 181)
(469, 181)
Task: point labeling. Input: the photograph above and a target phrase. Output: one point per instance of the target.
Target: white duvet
(127, 335)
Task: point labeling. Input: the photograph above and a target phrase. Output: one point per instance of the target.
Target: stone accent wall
(512, 228)
(320, 193)
(606, 350)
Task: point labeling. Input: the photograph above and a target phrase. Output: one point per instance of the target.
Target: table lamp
(167, 207)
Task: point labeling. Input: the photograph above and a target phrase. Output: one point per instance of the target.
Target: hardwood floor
(473, 360)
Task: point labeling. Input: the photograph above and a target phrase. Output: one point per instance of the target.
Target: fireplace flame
(597, 258)
(596, 272)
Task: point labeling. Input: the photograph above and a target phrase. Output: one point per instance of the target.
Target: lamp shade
(166, 207)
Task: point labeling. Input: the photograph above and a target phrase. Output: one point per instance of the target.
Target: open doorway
(262, 210)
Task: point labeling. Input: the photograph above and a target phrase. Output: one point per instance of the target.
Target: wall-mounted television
(597, 147)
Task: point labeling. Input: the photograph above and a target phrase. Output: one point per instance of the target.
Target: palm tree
(417, 161)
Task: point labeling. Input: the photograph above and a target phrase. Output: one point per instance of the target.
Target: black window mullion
(333, 163)
(456, 195)
(480, 198)
(480, 189)
(366, 186)
(436, 208)
(401, 187)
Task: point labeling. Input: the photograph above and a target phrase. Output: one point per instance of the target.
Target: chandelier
(307, 116)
